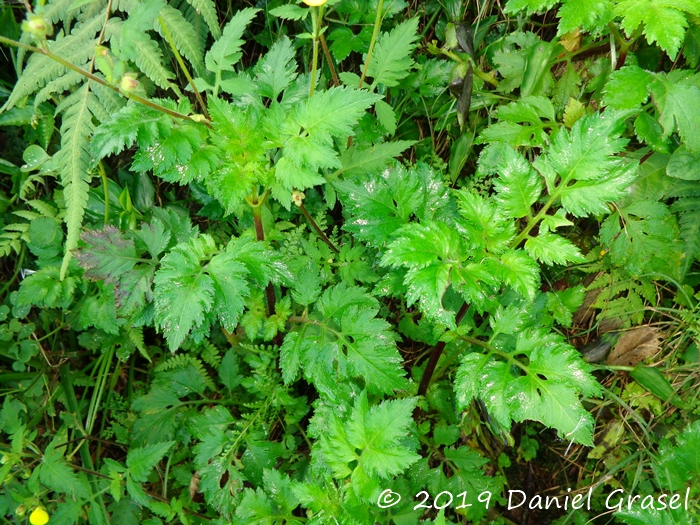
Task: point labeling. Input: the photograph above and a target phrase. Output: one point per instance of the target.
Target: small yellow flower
(314, 3)
(298, 197)
(39, 516)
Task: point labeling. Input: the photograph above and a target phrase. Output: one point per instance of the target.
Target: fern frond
(12, 237)
(149, 59)
(59, 85)
(184, 37)
(136, 337)
(43, 207)
(26, 215)
(196, 21)
(56, 10)
(176, 361)
(207, 9)
(73, 161)
(185, 360)
(110, 100)
(210, 354)
(77, 48)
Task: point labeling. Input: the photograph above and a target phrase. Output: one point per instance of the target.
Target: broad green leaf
(369, 443)
(520, 123)
(332, 113)
(518, 185)
(140, 461)
(344, 41)
(519, 271)
(290, 12)
(582, 166)
(679, 105)
(549, 248)
(120, 132)
(529, 6)
(586, 15)
(380, 204)
(230, 288)
(55, 473)
(276, 70)
(391, 59)
(643, 237)
(627, 88)
(344, 339)
(483, 223)
(359, 161)
(184, 293)
(684, 164)
(107, 254)
(546, 389)
(664, 22)
(429, 252)
(679, 463)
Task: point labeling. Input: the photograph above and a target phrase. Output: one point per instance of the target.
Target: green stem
(483, 76)
(316, 28)
(72, 402)
(197, 94)
(87, 74)
(105, 190)
(18, 268)
(375, 34)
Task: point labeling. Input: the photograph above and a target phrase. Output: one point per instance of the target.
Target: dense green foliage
(279, 264)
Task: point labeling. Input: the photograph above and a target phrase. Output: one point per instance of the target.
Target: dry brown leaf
(571, 40)
(635, 346)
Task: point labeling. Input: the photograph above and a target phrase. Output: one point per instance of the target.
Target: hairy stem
(316, 29)
(181, 62)
(260, 235)
(323, 236)
(105, 186)
(87, 74)
(375, 34)
(336, 80)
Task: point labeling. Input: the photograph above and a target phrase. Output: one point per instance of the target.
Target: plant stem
(72, 402)
(336, 80)
(316, 28)
(375, 34)
(260, 235)
(323, 236)
(436, 353)
(197, 94)
(105, 190)
(87, 74)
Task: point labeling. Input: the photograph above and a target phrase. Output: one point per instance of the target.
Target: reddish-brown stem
(323, 236)
(260, 235)
(436, 353)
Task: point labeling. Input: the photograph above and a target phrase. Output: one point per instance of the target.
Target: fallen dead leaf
(635, 345)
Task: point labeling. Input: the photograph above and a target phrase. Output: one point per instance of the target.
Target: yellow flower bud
(37, 27)
(129, 82)
(298, 197)
(314, 3)
(39, 516)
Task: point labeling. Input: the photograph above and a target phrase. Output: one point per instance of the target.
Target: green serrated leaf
(627, 88)
(391, 60)
(140, 461)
